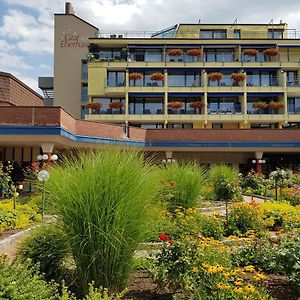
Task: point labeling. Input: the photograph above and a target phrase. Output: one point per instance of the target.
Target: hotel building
(207, 92)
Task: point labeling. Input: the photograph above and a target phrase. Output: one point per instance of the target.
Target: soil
(141, 287)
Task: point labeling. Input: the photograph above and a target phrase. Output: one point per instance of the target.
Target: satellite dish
(43, 175)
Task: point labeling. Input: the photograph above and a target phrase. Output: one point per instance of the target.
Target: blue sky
(26, 26)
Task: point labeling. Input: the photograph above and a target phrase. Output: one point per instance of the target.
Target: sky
(26, 26)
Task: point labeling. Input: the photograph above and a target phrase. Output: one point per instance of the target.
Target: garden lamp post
(44, 175)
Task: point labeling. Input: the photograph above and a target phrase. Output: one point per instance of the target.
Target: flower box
(251, 52)
(238, 76)
(115, 105)
(194, 52)
(135, 76)
(175, 105)
(260, 105)
(271, 52)
(157, 76)
(95, 105)
(175, 52)
(215, 76)
(196, 104)
(276, 105)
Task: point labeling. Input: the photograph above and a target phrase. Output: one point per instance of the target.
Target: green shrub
(244, 217)
(102, 200)
(19, 282)
(18, 218)
(211, 226)
(181, 184)
(224, 182)
(46, 246)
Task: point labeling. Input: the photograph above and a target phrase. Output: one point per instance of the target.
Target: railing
(262, 81)
(294, 81)
(115, 83)
(268, 33)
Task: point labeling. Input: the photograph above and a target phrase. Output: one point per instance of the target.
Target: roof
(4, 74)
(59, 14)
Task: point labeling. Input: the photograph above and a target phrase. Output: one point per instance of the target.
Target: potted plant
(157, 76)
(94, 49)
(194, 52)
(271, 52)
(251, 52)
(175, 105)
(260, 105)
(94, 105)
(115, 105)
(175, 52)
(124, 54)
(135, 76)
(238, 77)
(215, 76)
(276, 105)
(196, 105)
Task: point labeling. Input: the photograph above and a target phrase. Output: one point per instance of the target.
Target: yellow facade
(226, 103)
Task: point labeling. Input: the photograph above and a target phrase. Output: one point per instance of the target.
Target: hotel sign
(72, 40)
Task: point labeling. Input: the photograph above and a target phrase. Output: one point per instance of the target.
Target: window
(116, 78)
(294, 105)
(177, 78)
(110, 54)
(292, 78)
(84, 70)
(237, 33)
(219, 55)
(213, 34)
(146, 106)
(217, 126)
(275, 34)
(84, 93)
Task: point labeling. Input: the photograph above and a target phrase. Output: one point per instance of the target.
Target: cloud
(29, 35)
(11, 61)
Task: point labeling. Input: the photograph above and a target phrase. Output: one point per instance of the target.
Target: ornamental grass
(215, 76)
(135, 76)
(271, 52)
(194, 52)
(115, 105)
(95, 105)
(260, 105)
(103, 200)
(276, 105)
(175, 104)
(181, 184)
(175, 52)
(157, 76)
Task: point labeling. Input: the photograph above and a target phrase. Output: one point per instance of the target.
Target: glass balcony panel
(224, 106)
(294, 105)
(153, 57)
(146, 106)
(224, 57)
(181, 80)
(149, 82)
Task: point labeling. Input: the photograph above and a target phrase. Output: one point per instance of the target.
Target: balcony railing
(293, 81)
(261, 81)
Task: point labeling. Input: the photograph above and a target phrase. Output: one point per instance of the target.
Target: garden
(123, 227)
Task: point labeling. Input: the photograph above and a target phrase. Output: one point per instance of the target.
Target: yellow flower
(249, 269)
(259, 276)
(249, 288)
(205, 266)
(195, 270)
(212, 270)
(238, 282)
(238, 290)
(226, 274)
(222, 286)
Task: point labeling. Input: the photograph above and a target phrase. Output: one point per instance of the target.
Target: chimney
(69, 9)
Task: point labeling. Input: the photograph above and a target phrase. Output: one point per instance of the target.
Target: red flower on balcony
(95, 105)
(175, 52)
(175, 105)
(276, 105)
(196, 104)
(271, 52)
(157, 76)
(194, 52)
(251, 52)
(115, 105)
(215, 76)
(260, 105)
(238, 76)
(135, 76)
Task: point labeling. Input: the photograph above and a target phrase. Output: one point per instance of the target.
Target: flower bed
(94, 105)
(238, 77)
(260, 105)
(276, 105)
(194, 52)
(115, 105)
(271, 52)
(196, 104)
